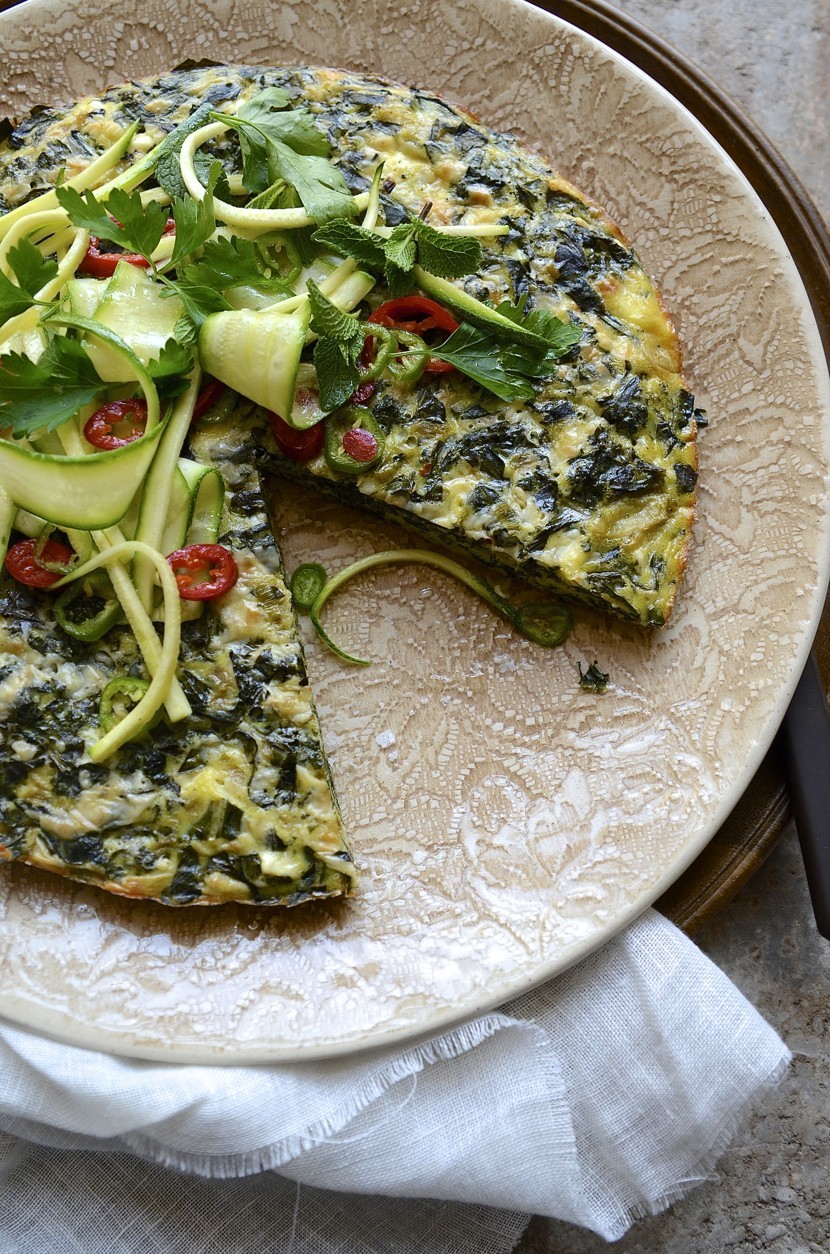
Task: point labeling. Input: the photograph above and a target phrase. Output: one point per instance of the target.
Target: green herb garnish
(410, 244)
(593, 679)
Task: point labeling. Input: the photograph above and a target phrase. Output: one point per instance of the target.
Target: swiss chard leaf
(42, 395)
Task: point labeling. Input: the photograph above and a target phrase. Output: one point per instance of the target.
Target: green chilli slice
(307, 582)
(546, 624)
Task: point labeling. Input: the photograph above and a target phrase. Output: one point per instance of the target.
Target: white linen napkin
(603, 1096)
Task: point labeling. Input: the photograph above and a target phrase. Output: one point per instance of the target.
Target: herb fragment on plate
(593, 679)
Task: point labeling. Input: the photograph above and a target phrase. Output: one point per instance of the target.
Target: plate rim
(514, 986)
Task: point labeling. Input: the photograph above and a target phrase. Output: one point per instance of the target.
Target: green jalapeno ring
(118, 698)
(337, 425)
(408, 368)
(307, 583)
(95, 625)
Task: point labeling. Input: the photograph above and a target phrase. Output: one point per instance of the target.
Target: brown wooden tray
(756, 823)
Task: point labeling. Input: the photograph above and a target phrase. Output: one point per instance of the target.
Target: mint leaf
(337, 352)
(349, 240)
(333, 323)
(168, 170)
(401, 249)
(448, 256)
(337, 372)
(42, 395)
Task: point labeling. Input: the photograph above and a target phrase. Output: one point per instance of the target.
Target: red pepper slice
(297, 446)
(23, 566)
(101, 265)
(360, 444)
(418, 314)
(117, 423)
(212, 391)
(364, 391)
(203, 571)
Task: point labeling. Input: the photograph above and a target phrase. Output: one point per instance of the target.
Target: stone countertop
(771, 1191)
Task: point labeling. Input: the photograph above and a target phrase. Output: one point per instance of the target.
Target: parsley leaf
(199, 301)
(138, 228)
(319, 184)
(173, 362)
(32, 272)
(286, 144)
(227, 263)
(195, 224)
(30, 267)
(13, 299)
(42, 395)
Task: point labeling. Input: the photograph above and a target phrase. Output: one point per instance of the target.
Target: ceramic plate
(505, 821)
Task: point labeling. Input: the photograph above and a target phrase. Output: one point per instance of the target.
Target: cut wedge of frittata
(233, 804)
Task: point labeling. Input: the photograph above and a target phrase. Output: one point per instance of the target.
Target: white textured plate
(505, 822)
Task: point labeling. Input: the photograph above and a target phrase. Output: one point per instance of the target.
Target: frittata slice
(235, 803)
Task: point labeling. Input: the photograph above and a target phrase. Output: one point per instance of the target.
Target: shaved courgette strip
(176, 703)
(44, 224)
(528, 620)
(155, 500)
(152, 701)
(95, 490)
(8, 514)
(255, 220)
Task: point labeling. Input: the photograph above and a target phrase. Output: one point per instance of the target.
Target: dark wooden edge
(757, 821)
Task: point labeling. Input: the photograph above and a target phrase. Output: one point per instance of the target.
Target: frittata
(574, 469)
